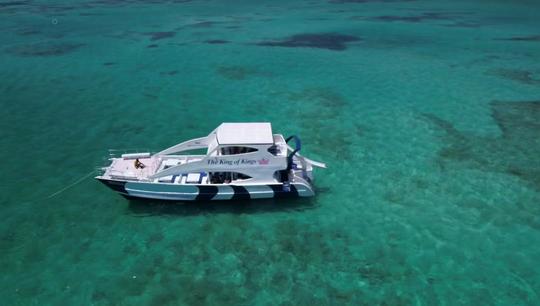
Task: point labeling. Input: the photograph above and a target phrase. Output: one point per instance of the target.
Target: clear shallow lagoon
(427, 113)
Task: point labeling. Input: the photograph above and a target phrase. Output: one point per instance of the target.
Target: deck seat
(166, 179)
(194, 178)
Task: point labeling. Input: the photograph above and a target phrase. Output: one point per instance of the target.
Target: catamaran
(242, 161)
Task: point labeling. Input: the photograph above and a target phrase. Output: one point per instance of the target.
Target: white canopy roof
(245, 133)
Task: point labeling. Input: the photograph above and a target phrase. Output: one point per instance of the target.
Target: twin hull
(164, 191)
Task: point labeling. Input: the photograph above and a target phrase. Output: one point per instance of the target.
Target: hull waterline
(175, 192)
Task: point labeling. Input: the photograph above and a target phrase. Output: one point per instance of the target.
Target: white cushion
(165, 179)
(193, 178)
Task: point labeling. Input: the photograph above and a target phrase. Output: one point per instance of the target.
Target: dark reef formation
(330, 41)
(522, 38)
(13, 3)
(522, 76)
(414, 18)
(515, 152)
(216, 41)
(160, 35)
(44, 49)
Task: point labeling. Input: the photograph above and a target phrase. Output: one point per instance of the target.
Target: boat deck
(124, 169)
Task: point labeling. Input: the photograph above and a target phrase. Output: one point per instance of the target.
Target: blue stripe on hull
(240, 193)
(206, 193)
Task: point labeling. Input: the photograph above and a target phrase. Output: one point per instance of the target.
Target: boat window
(227, 177)
(274, 150)
(233, 150)
(201, 151)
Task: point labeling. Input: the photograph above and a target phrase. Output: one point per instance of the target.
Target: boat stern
(303, 185)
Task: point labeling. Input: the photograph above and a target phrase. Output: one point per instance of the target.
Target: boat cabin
(234, 152)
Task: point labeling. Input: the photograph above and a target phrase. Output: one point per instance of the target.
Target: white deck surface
(125, 168)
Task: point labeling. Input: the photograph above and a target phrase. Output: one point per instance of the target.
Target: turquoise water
(426, 112)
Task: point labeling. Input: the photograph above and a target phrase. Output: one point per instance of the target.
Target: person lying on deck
(138, 164)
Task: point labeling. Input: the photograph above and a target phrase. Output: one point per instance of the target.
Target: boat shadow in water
(147, 208)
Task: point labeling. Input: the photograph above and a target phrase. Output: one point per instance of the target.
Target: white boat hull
(206, 192)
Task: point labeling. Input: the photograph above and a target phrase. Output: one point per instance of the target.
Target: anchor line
(71, 185)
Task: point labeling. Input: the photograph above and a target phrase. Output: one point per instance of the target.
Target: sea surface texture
(426, 112)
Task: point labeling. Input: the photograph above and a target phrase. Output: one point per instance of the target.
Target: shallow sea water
(426, 112)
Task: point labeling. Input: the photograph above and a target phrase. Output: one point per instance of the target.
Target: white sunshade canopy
(245, 133)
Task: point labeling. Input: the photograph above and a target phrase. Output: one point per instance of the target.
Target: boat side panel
(225, 192)
(303, 190)
(162, 191)
(207, 192)
(260, 191)
(118, 186)
(279, 192)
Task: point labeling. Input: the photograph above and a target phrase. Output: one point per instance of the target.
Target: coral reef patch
(330, 41)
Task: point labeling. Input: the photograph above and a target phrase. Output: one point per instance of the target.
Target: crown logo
(263, 161)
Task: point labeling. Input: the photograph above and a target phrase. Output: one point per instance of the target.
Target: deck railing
(116, 153)
(299, 179)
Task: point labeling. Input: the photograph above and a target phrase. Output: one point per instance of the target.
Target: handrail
(192, 144)
(298, 146)
(113, 153)
(309, 161)
(298, 179)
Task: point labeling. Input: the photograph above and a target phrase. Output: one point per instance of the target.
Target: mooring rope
(72, 184)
